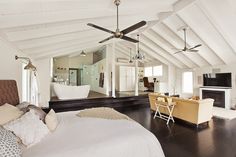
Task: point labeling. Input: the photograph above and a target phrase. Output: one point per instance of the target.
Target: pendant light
(139, 55)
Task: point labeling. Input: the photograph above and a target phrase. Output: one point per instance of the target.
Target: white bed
(94, 137)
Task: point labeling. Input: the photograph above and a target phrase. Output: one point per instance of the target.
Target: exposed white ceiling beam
(182, 4)
(27, 33)
(70, 50)
(174, 23)
(207, 32)
(179, 5)
(47, 41)
(21, 7)
(62, 45)
(169, 35)
(168, 47)
(44, 18)
(160, 52)
(125, 52)
(126, 49)
(147, 50)
(154, 55)
(205, 51)
(165, 46)
(217, 27)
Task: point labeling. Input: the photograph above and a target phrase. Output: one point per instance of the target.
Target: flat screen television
(217, 79)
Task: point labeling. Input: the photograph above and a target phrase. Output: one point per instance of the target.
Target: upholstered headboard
(8, 92)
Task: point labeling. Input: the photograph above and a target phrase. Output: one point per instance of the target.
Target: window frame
(152, 71)
(183, 84)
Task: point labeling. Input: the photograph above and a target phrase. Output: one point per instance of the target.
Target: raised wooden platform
(117, 103)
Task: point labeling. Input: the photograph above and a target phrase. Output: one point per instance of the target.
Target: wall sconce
(29, 65)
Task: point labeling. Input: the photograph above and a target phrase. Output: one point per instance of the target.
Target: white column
(113, 70)
(136, 78)
(107, 73)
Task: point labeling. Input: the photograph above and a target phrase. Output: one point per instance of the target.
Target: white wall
(78, 61)
(174, 80)
(10, 68)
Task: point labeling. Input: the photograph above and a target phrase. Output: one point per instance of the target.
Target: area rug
(224, 113)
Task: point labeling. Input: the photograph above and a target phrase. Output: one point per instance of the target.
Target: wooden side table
(170, 107)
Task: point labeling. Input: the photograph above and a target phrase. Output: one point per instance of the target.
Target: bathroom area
(82, 75)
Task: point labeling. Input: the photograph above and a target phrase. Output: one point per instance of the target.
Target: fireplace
(221, 95)
(218, 96)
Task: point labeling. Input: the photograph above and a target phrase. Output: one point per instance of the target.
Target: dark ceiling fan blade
(129, 39)
(178, 52)
(106, 39)
(195, 46)
(191, 50)
(175, 49)
(101, 28)
(134, 27)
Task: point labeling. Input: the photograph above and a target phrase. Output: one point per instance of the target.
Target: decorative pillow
(102, 112)
(51, 120)
(9, 113)
(29, 128)
(8, 144)
(23, 105)
(38, 111)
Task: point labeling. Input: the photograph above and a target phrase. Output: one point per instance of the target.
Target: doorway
(73, 77)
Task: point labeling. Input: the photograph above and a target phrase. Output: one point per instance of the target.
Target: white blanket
(94, 137)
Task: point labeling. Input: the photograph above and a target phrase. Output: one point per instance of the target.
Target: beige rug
(224, 113)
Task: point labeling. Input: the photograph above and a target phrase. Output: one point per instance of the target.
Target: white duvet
(94, 137)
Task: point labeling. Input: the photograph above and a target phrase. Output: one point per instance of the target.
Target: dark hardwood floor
(180, 140)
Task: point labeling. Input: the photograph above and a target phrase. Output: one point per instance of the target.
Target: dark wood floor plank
(180, 140)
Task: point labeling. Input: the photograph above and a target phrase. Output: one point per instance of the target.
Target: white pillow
(29, 128)
(23, 105)
(9, 113)
(51, 120)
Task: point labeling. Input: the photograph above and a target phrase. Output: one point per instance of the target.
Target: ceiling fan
(118, 33)
(186, 49)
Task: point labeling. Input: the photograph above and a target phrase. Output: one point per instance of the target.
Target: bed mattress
(90, 137)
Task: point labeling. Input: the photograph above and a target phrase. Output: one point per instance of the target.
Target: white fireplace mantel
(224, 89)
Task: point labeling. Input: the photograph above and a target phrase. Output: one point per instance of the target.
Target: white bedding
(94, 137)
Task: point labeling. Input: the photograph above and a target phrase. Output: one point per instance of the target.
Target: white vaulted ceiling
(50, 28)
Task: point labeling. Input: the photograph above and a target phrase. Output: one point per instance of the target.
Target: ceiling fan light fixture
(186, 48)
(119, 34)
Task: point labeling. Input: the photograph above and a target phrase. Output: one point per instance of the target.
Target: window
(153, 71)
(187, 83)
(157, 70)
(148, 71)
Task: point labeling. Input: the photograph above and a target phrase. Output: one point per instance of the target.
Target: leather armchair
(148, 85)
